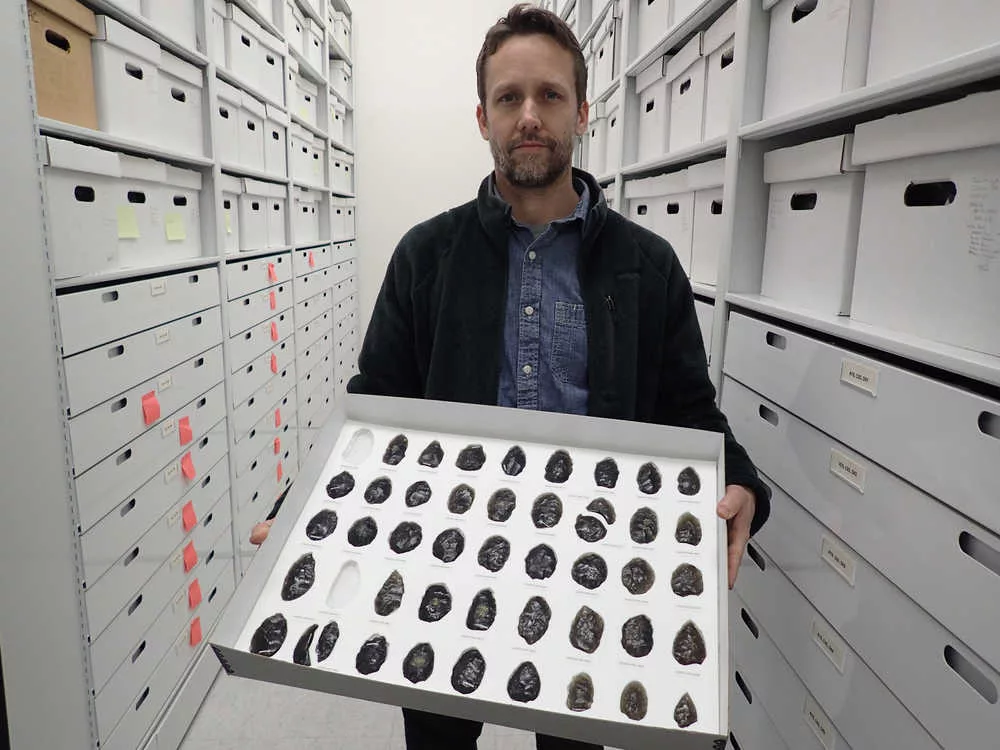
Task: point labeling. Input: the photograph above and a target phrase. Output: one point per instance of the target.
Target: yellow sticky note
(229, 222)
(174, 224)
(128, 224)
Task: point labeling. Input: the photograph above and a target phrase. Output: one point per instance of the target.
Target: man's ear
(583, 119)
(484, 128)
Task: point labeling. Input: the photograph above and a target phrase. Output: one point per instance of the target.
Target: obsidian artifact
(687, 581)
(435, 604)
(461, 499)
(378, 491)
(371, 655)
(586, 630)
(396, 450)
(269, 635)
(689, 645)
(514, 462)
(482, 611)
(688, 530)
(580, 693)
(301, 654)
(321, 525)
(362, 532)
(467, 674)
(546, 511)
(534, 620)
(638, 576)
(419, 663)
(300, 578)
(432, 455)
(688, 482)
(634, 702)
(417, 493)
(390, 596)
(405, 537)
(644, 526)
(685, 714)
(449, 544)
(328, 638)
(590, 571)
(525, 683)
(603, 508)
(493, 554)
(501, 505)
(637, 636)
(471, 458)
(649, 479)
(540, 562)
(606, 474)
(559, 467)
(590, 529)
(340, 485)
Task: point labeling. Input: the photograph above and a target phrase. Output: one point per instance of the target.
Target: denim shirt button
(532, 255)
(529, 311)
(526, 369)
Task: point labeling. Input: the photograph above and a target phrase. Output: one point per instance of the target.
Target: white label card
(846, 468)
(821, 726)
(839, 559)
(157, 287)
(165, 382)
(860, 376)
(169, 428)
(984, 219)
(830, 644)
(171, 472)
(163, 336)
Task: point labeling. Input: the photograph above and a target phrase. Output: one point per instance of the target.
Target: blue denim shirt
(545, 328)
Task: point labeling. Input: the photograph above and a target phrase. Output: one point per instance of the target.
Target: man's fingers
(739, 536)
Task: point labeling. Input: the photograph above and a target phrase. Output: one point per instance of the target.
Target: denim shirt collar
(581, 211)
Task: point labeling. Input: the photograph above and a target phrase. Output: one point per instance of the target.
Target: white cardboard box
(217, 32)
(908, 35)
(294, 27)
(305, 221)
(140, 205)
(255, 210)
(750, 728)
(681, 10)
(232, 189)
(81, 189)
(720, 53)
(665, 204)
(243, 277)
(357, 441)
(277, 219)
(341, 171)
(313, 42)
(181, 111)
(653, 22)
(271, 80)
(929, 246)
(606, 48)
(126, 81)
(687, 72)
(709, 232)
(318, 162)
(181, 207)
(812, 225)
(243, 55)
(251, 137)
(275, 137)
(597, 148)
(338, 117)
(653, 89)
(301, 152)
(306, 101)
(228, 122)
(815, 55)
(616, 125)
(175, 18)
(341, 78)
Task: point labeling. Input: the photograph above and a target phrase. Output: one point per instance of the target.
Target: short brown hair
(525, 19)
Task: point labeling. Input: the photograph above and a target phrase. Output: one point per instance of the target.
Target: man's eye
(552, 95)
(506, 98)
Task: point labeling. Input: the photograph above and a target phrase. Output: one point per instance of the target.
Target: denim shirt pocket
(569, 344)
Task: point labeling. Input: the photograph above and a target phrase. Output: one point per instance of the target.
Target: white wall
(419, 151)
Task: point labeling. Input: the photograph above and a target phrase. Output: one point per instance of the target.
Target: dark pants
(426, 731)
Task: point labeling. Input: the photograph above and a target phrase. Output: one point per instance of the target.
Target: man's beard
(527, 169)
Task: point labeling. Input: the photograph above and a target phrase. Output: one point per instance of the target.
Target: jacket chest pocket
(569, 344)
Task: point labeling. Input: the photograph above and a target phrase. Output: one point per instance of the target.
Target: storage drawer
(246, 276)
(343, 251)
(263, 434)
(311, 332)
(308, 358)
(312, 283)
(266, 465)
(310, 259)
(99, 489)
(147, 703)
(108, 426)
(885, 523)
(311, 402)
(102, 546)
(320, 372)
(947, 447)
(256, 374)
(345, 306)
(794, 711)
(264, 400)
(97, 375)
(750, 728)
(345, 289)
(255, 308)
(96, 316)
(143, 653)
(871, 613)
(309, 309)
(343, 270)
(146, 600)
(346, 321)
(853, 697)
(253, 342)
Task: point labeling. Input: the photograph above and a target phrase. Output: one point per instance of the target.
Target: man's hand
(260, 532)
(737, 508)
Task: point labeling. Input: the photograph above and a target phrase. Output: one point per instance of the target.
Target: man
(536, 296)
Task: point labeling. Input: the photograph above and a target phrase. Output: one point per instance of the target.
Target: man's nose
(530, 118)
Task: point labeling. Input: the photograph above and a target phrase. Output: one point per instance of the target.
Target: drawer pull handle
(123, 457)
(214, 592)
(751, 625)
(142, 699)
(733, 742)
(135, 605)
(129, 507)
(980, 551)
(803, 9)
(777, 341)
(756, 557)
(989, 424)
(205, 482)
(728, 58)
(119, 405)
(138, 652)
(116, 351)
(768, 415)
(743, 688)
(200, 362)
(971, 674)
(131, 557)
(193, 278)
(204, 442)
(109, 297)
(211, 556)
(208, 520)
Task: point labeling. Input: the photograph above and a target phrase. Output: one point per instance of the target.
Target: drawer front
(93, 317)
(320, 372)
(345, 289)
(343, 251)
(311, 332)
(102, 545)
(245, 347)
(871, 614)
(879, 516)
(253, 309)
(262, 435)
(256, 374)
(346, 305)
(310, 427)
(749, 724)
(947, 447)
(147, 703)
(346, 328)
(265, 465)
(343, 270)
(97, 433)
(246, 276)
(794, 711)
(308, 309)
(117, 588)
(111, 647)
(264, 400)
(858, 703)
(310, 259)
(305, 361)
(310, 404)
(95, 376)
(312, 283)
(143, 654)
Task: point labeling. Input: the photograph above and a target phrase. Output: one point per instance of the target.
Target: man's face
(531, 116)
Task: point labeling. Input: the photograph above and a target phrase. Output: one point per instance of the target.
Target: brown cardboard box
(64, 75)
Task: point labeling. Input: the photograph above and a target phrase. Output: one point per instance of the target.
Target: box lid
(721, 31)
(184, 178)
(173, 65)
(341, 65)
(709, 174)
(654, 72)
(299, 133)
(660, 185)
(343, 156)
(68, 155)
(230, 184)
(243, 19)
(229, 93)
(318, 142)
(276, 114)
(810, 161)
(72, 11)
(613, 103)
(260, 187)
(304, 84)
(121, 36)
(690, 54)
(276, 190)
(305, 195)
(273, 43)
(253, 105)
(970, 122)
(138, 168)
(767, 5)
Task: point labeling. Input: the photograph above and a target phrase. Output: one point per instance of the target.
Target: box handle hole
(270, 59)
(214, 592)
(206, 481)
(180, 201)
(642, 210)
(276, 135)
(84, 194)
(201, 404)
(685, 86)
(980, 551)
(131, 557)
(803, 9)
(728, 57)
(142, 699)
(138, 652)
(716, 208)
(989, 424)
(203, 443)
(134, 71)
(751, 625)
(193, 279)
(196, 321)
(224, 113)
(135, 605)
(251, 125)
(971, 674)
(178, 95)
(57, 40)
(756, 557)
(129, 507)
(109, 297)
(925, 194)
(254, 205)
(208, 520)
(123, 457)
(733, 742)
(119, 405)
(136, 196)
(743, 688)
(804, 201)
(777, 341)
(245, 40)
(211, 556)
(650, 105)
(200, 362)
(673, 209)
